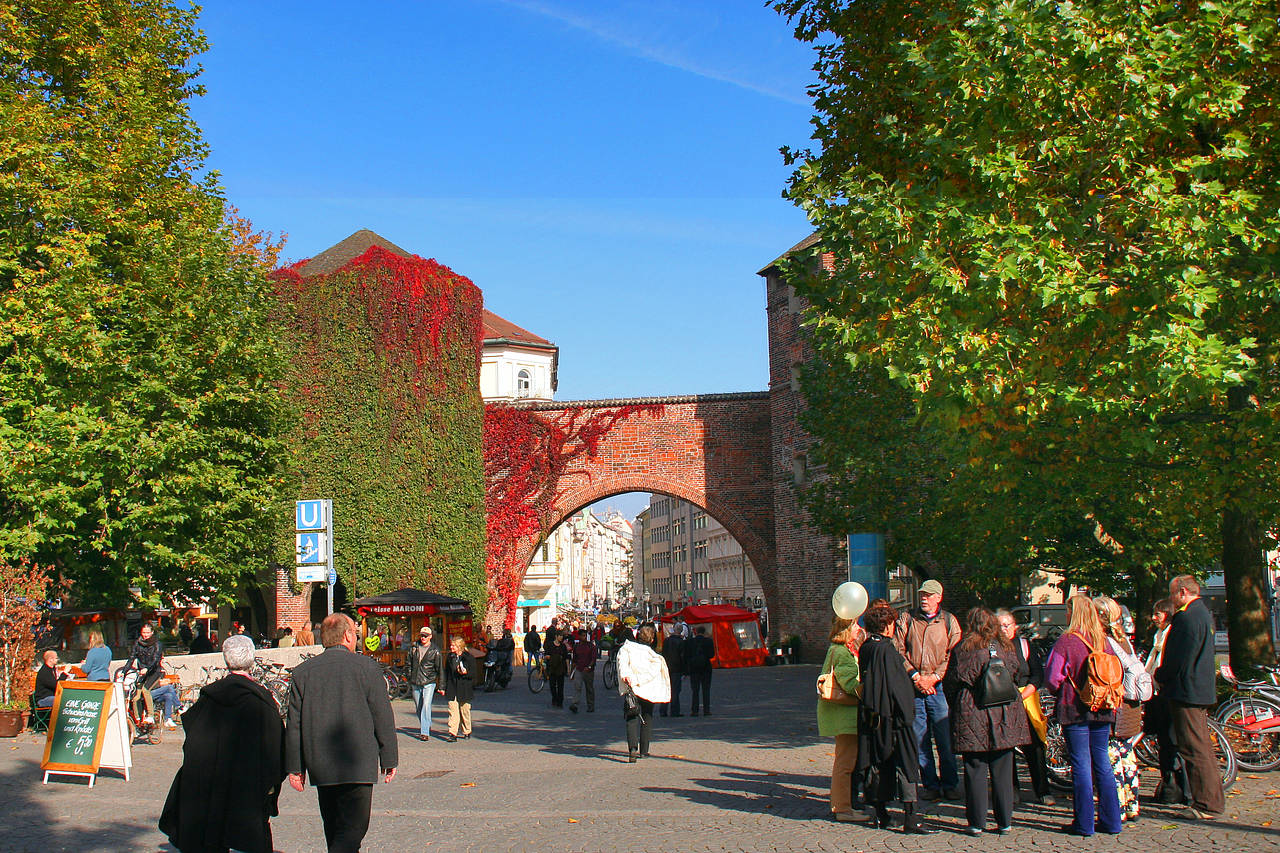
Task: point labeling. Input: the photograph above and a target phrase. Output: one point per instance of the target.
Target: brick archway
(711, 450)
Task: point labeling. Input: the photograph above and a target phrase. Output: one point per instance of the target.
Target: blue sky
(606, 172)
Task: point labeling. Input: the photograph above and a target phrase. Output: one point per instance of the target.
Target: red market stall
(735, 632)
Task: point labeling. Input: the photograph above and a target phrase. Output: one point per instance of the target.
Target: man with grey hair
(225, 793)
(341, 732)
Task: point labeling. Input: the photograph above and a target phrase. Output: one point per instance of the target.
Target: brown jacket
(926, 644)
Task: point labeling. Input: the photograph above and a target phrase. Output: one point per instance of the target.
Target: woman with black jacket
(1029, 678)
(459, 688)
(557, 662)
(888, 754)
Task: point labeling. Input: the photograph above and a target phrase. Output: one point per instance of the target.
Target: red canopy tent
(735, 632)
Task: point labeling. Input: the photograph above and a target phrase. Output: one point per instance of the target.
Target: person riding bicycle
(147, 657)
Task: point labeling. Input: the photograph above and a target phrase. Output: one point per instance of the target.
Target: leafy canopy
(139, 420)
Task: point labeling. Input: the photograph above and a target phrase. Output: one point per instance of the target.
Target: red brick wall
(809, 564)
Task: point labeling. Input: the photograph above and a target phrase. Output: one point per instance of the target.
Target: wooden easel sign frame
(77, 726)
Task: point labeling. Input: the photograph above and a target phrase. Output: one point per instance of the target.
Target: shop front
(389, 623)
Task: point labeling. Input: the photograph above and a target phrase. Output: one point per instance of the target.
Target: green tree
(1056, 226)
(139, 418)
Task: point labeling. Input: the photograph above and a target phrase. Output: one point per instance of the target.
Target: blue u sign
(310, 515)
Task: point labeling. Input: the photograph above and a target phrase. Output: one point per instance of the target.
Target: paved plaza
(752, 777)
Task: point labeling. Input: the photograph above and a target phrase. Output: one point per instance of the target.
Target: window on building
(800, 469)
(700, 551)
(524, 384)
(700, 521)
(677, 524)
(546, 552)
(702, 580)
(795, 376)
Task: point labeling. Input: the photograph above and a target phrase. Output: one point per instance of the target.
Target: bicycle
(610, 675)
(141, 716)
(1250, 718)
(1058, 759)
(538, 675)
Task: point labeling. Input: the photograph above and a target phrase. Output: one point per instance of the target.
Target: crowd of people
(919, 682)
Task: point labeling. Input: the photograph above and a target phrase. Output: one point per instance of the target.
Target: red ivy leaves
(526, 453)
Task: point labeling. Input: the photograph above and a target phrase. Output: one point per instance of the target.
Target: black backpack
(995, 685)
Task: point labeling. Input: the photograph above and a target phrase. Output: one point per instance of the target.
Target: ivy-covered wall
(384, 354)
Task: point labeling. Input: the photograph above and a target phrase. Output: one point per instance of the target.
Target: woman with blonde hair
(1128, 727)
(841, 721)
(1087, 732)
(97, 663)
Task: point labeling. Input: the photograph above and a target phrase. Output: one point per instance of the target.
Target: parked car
(1041, 621)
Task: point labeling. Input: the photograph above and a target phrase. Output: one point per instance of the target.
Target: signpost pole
(333, 571)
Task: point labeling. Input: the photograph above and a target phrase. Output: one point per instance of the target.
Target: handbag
(829, 689)
(1035, 714)
(630, 705)
(1138, 684)
(995, 685)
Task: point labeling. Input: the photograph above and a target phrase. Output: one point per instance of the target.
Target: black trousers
(1033, 754)
(978, 767)
(345, 812)
(673, 707)
(700, 682)
(639, 728)
(557, 690)
(1157, 723)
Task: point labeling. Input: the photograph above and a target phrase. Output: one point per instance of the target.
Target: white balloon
(849, 600)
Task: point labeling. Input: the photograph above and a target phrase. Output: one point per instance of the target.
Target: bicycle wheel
(610, 676)
(279, 689)
(1226, 757)
(1147, 752)
(1056, 759)
(1251, 725)
(537, 679)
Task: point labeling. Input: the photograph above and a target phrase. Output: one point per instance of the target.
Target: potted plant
(24, 590)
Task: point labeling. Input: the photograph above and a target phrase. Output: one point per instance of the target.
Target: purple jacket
(1064, 669)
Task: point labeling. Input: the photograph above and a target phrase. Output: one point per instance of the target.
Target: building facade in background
(684, 556)
(516, 364)
(585, 565)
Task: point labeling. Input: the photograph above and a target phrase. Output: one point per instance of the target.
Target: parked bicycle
(141, 715)
(1250, 719)
(610, 675)
(1058, 759)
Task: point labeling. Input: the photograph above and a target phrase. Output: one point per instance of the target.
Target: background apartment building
(684, 556)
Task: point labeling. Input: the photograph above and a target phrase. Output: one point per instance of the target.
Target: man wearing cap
(925, 636)
(426, 670)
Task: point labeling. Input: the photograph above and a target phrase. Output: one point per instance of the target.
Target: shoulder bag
(995, 685)
(829, 688)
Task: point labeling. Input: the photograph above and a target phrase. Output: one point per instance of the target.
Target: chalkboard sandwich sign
(77, 728)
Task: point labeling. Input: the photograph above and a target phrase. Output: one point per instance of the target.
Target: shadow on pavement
(36, 824)
(784, 795)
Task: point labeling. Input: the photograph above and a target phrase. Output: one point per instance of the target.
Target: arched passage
(711, 450)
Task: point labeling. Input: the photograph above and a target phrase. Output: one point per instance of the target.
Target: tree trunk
(1248, 610)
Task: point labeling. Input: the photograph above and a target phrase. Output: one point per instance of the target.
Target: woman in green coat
(841, 721)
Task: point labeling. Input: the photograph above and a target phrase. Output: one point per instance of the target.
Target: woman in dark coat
(557, 663)
(987, 737)
(888, 755)
(232, 764)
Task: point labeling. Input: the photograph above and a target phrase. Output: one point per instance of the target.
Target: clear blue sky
(606, 172)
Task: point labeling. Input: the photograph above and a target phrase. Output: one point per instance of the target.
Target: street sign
(311, 515)
(333, 577)
(308, 574)
(310, 548)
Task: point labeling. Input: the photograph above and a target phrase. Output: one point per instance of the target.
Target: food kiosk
(735, 632)
(389, 623)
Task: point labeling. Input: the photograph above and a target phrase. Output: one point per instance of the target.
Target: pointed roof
(496, 329)
(339, 255)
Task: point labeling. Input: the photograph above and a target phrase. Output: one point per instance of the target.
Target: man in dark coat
(888, 752)
(341, 731)
(699, 651)
(1186, 678)
(225, 793)
(673, 653)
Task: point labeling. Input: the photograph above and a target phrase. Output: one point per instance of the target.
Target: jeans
(166, 694)
(531, 658)
(46, 702)
(422, 697)
(933, 720)
(1091, 771)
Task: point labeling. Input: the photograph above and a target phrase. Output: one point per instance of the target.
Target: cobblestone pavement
(753, 777)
